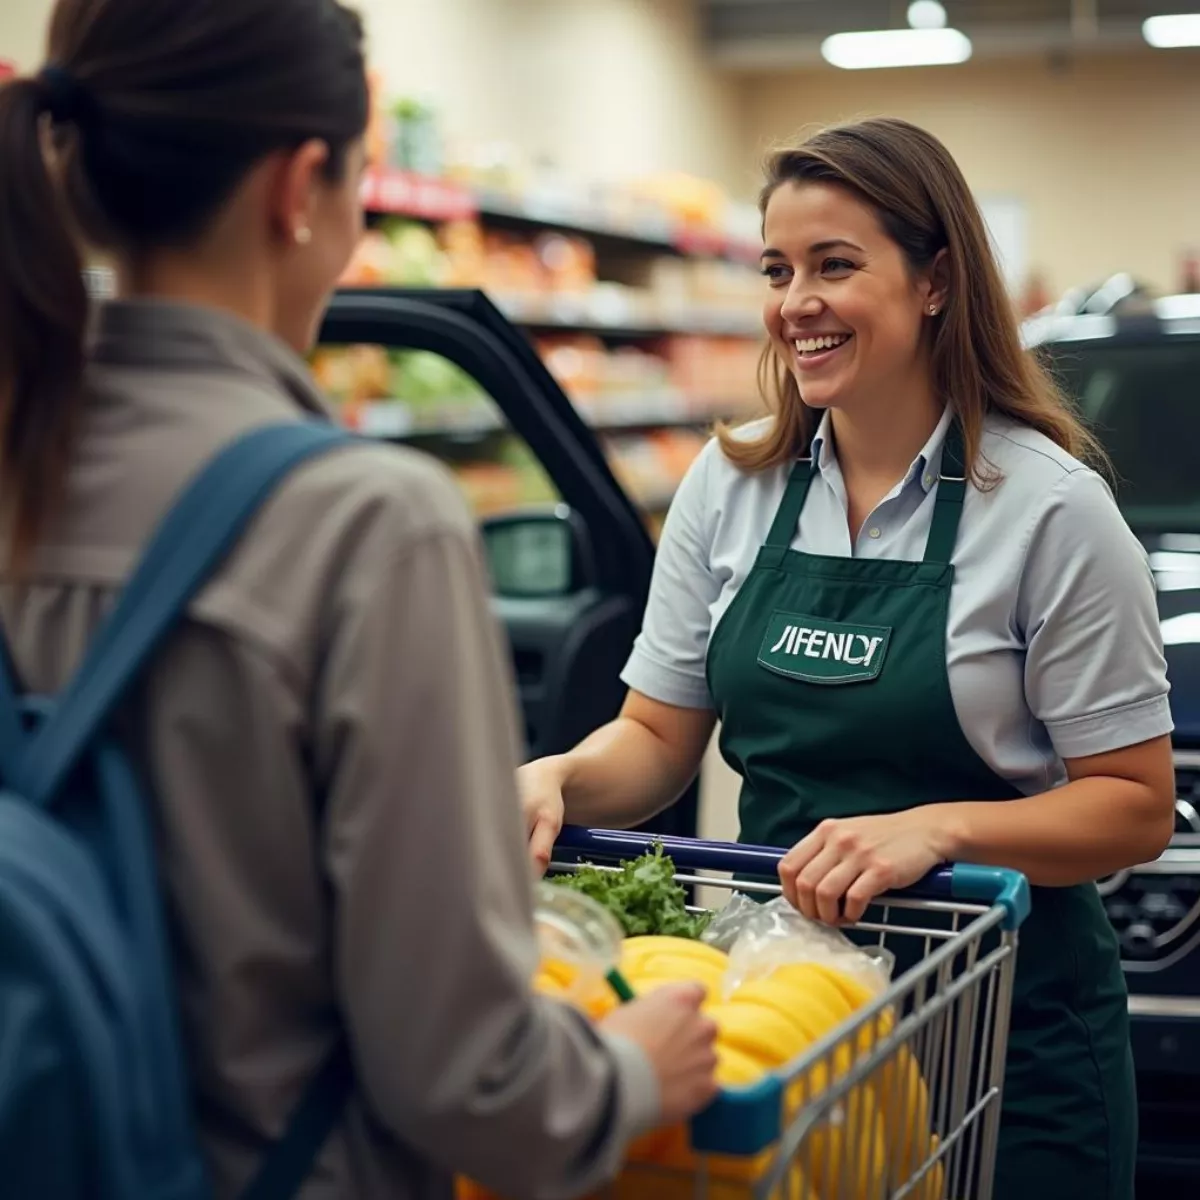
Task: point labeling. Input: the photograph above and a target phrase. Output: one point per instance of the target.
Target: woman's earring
(303, 235)
(933, 310)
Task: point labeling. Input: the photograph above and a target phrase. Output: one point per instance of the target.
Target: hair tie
(65, 98)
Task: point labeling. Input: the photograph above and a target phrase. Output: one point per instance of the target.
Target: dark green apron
(829, 677)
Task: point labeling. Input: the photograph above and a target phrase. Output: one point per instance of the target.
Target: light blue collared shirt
(1053, 648)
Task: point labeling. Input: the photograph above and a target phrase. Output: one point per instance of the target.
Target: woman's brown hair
(150, 112)
(925, 206)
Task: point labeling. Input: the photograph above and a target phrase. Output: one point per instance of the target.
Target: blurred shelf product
(649, 410)
(409, 393)
(550, 280)
(639, 297)
(598, 213)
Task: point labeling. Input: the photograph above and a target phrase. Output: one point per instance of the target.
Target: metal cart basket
(901, 1100)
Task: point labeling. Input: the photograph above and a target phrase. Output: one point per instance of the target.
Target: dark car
(1132, 363)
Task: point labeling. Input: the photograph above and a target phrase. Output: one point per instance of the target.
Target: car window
(1143, 402)
(425, 400)
(417, 397)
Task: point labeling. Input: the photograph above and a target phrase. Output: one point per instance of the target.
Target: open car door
(570, 576)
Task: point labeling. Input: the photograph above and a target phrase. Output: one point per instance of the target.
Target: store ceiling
(769, 34)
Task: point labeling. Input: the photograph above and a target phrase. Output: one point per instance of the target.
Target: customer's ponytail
(43, 314)
(140, 127)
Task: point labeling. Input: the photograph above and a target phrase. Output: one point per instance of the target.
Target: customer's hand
(540, 784)
(679, 1041)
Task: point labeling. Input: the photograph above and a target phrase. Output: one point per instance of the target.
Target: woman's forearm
(1079, 832)
(631, 769)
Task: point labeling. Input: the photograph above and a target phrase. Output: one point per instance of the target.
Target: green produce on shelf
(416, 258)
(535, 485)
(417, 142)
(423, 379)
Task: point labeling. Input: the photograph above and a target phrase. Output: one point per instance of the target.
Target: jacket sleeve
(432, 884)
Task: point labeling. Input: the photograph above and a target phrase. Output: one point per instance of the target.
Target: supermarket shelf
(394, 419)
(605, 313)
(389, 191)
(608, 314)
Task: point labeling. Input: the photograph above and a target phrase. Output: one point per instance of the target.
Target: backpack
(94, 1098)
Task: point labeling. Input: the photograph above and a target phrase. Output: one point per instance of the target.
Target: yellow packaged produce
(736, 1068)
(582, 988)
(562, 973)
(900, 1117)
(770, 1038)
(647, 1183)
(935, 1181)
(677, 966)
(750, 998)
(855, 992)
(809, 998)
(847, 1156)
(899, 1086)
(645, 981)
(675, 1167)
(638, 949)
(547, 985)
(810, 1011)
(810, 981)
(904, 1102)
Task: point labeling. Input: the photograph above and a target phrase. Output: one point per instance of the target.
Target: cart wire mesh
(901, 1100)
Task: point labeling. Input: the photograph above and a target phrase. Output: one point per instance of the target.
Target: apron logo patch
(820, 651)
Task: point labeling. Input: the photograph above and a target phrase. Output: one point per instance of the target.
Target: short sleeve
(1095, 672)
(668, 659)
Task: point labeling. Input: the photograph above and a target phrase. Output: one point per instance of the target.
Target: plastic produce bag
(759, 938)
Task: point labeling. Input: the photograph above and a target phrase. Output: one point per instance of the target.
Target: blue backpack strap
(190, 543)
(291, 1159)
(192, 540)
(12, 734)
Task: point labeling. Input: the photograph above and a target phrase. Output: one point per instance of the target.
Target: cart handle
(966, 882)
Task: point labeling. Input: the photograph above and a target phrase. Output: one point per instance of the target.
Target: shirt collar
(925, 468)
(170, 335)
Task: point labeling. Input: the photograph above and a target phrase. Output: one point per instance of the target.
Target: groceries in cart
(776, 985)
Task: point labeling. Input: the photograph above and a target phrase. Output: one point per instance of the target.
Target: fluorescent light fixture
(896, 48)
(926, 14)
(1168, 33)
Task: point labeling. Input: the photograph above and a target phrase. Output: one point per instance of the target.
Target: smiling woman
(872, 223)
(921, 622)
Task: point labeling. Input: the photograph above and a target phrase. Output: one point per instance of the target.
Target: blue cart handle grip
(964, 882)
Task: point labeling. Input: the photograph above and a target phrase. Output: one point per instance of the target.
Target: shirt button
(929, 481)
(873, 532)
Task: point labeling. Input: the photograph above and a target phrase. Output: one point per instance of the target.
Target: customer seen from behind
(329, 738)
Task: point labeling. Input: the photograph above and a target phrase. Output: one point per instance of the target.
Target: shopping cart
(903, 1099)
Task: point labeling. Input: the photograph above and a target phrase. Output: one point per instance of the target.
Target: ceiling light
(926, 14)
(896, 48)
(1165, 33)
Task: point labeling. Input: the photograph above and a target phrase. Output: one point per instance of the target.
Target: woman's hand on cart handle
(540, 785)
(833, 874)
(678, 1040)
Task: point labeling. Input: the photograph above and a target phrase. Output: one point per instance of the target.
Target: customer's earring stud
(303, 235)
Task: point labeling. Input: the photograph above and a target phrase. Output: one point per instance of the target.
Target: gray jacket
(346, 651)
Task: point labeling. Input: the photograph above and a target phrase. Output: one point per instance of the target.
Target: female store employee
(921, 621)
(346, 650)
